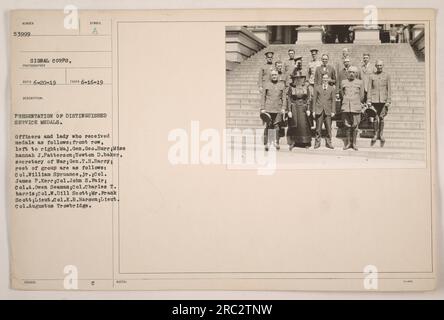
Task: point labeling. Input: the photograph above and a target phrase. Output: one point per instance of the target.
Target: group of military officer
(362, 91)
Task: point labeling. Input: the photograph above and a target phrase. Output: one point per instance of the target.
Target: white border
(7, 293)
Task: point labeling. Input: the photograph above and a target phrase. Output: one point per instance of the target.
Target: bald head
(274, 75)
(352, 72)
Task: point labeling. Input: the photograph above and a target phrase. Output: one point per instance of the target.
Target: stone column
(416, 30)
(366, 34)
(418, 40)
(240, 44)
(279, 35)
(261, 32)
(309, 35)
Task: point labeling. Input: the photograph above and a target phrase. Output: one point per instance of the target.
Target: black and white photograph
(258, 152)
(348, 94)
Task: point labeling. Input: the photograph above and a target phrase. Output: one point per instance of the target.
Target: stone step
(252, 87)
(408, 63)
(396, 135)
(355, 59)
(398, 95)
(404, 134)
(234, 110)
(255, 98)
(257, 123)
(392, 116)
(337, 56)
(404, 117)
(333, 49)
(254, 102)
(404, 87)
(253, 71)
(395, 67)
(255, 95)
(394, 109)
(389, 133)
(404, 65)
(390, 150)
(363, 142)
(398, 83)
(401, 84)
(364, 151)
(404, 125)
(406, 109)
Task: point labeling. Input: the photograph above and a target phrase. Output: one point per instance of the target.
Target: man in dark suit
(366, 71)
(327, 69)
(324, 102)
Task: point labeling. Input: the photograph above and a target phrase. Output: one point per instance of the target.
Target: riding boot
(347, 139)
(381, 133)
(277, 139)
(266, 144)
(376, 129)
(355, 138)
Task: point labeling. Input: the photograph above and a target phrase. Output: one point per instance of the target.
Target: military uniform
(283, 77)
(342, 75)
(379, 95)
(289, 66)
(273, 102)
(340, 64)
(264, 74)
(352, 97)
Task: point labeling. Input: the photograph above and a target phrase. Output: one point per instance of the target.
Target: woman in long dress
(298, 132)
